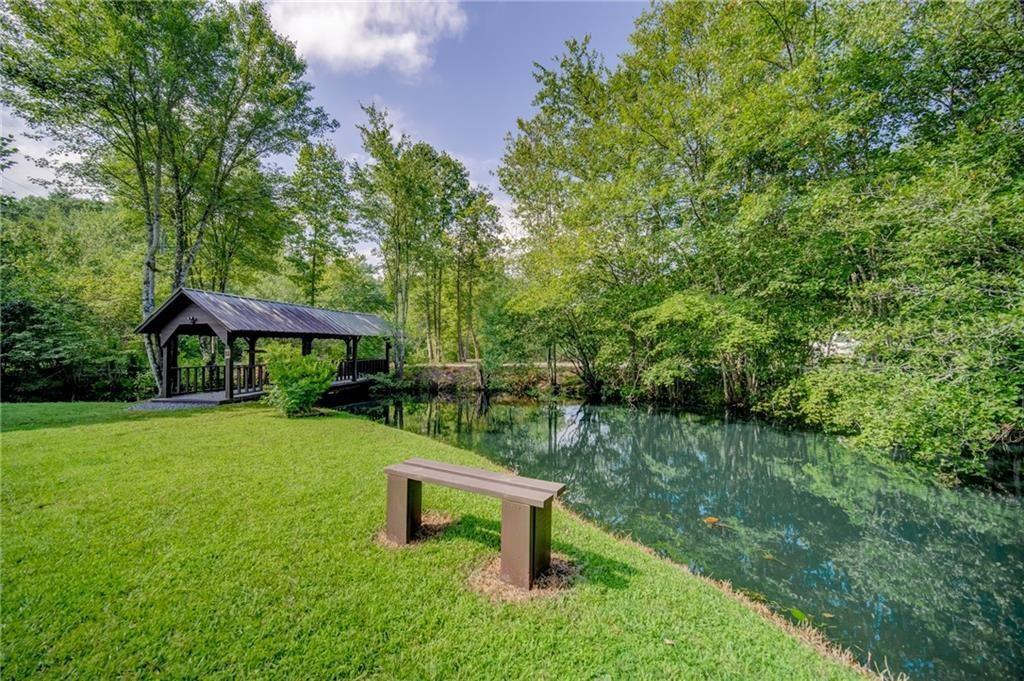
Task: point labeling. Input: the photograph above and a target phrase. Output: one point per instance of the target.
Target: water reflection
(888, 564)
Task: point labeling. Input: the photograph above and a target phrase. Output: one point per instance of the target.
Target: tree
(245, 237)
(350, 284)
(393, 207)
(474, 244)
(162, 103)
(69, 301)
(317, 198)
(752, 181)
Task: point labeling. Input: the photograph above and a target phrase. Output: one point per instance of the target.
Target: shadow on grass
(594, 567)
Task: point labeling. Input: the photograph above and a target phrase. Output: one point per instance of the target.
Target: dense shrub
(389, 384)
(69, 303)
(703, 217)
(298, 381)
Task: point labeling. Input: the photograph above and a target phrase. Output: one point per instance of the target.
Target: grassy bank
(233, 542)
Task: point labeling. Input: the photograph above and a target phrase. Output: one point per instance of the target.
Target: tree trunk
(438, 290)
(149, 268)
(312, 274)
(469, 319)
(459, 342)
(428, 310)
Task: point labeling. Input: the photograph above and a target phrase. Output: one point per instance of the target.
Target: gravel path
(169, 406)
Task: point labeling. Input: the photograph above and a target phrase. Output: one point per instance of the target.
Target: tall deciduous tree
(449, 195)
(244, 239)
(756, 184)
(393, 206)
(162, 103)
(317, 197)
(474, 243)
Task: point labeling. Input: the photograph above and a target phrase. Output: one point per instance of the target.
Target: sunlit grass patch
(234, 542)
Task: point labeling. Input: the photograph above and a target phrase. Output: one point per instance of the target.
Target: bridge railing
(366, 367)
(187, 380)
(246, 378)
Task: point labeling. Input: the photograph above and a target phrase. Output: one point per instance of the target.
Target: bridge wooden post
(229, 371)
(355, 358)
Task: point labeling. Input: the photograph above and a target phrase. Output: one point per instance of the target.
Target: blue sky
(478, 80)
(456, 75)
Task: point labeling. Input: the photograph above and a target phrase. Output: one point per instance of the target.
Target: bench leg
(404, 506)
(525, 542)
(541, 539)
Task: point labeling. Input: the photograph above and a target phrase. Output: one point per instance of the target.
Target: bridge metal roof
(242, 314)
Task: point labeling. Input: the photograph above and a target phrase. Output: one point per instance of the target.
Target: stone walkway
(150, 405)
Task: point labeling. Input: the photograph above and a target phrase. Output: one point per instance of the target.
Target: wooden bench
(525, 510)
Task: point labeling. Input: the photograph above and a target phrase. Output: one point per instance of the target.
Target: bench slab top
(502, 485)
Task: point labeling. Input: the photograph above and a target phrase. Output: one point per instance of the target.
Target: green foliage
(350, 283)
(750, 187)
(318, 202)
(940, 426)
(162, 106)
(390, 384)
(298, 381)
(434, 233)
(7, 151)
(243, 240)
(754, 181)
(693, 333)
(394, 194)
(69, 302)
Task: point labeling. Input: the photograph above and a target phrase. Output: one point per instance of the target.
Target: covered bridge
(234, 318)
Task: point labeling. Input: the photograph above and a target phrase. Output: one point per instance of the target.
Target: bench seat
(525, 510)
(500, 485)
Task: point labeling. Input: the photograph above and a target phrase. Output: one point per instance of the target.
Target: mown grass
(235, 543)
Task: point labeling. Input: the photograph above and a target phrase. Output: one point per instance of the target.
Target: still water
(927, 580)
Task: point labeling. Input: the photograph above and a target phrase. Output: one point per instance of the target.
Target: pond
(925, 579)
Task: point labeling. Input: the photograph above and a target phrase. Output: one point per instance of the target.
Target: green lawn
(233, 542)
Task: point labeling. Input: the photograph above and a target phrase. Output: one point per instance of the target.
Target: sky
(456, 75)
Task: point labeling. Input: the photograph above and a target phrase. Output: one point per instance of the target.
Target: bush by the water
(298, 381)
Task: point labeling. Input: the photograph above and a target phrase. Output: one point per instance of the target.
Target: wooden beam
(355, 358)
(345, 371)
(405, 501)
(229, 387)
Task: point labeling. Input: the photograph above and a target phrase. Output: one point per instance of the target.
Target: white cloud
(365, 35)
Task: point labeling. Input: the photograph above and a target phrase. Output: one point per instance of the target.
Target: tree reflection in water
(886, 563)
